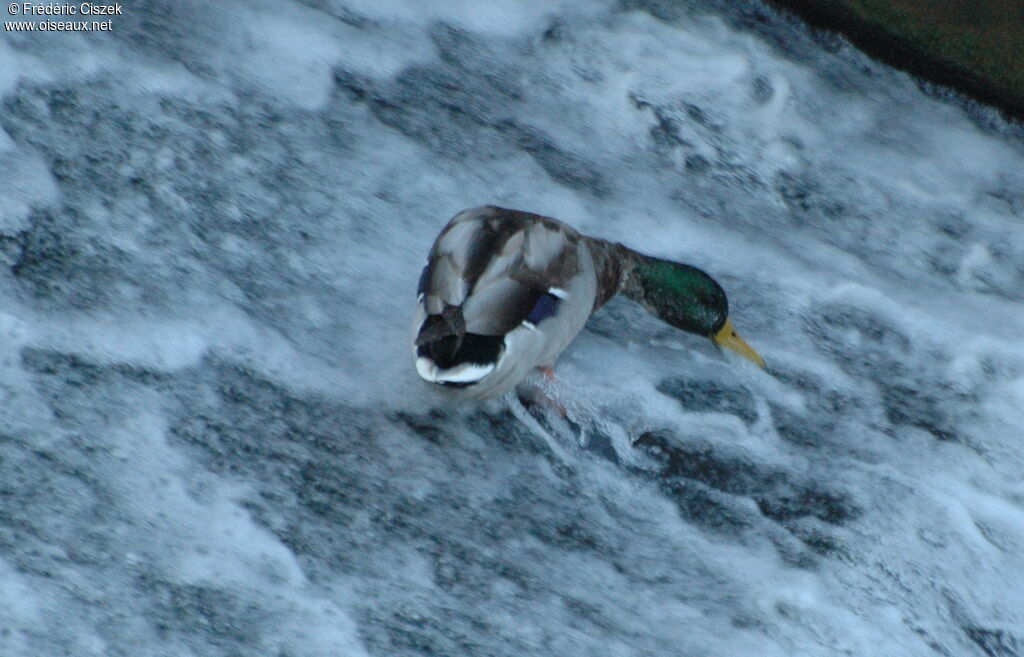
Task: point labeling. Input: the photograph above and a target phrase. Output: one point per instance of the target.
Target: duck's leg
(544, 408)
(548, 372)
(531, 395)
(521, 403)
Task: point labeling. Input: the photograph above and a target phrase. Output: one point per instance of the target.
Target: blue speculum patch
(546, 306)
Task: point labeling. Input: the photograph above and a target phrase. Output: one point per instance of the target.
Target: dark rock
(706, 484)
(705, 396)
(996, 643)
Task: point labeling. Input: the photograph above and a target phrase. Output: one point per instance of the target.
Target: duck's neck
(682, 295)
(613, 264)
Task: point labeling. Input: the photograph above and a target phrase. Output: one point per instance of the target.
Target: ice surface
(212, 437)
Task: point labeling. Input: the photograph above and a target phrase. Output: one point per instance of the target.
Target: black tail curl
(450, 351)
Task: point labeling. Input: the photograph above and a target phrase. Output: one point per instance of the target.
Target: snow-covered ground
(212, 438)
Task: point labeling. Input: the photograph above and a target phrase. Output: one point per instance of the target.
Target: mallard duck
(505, 291)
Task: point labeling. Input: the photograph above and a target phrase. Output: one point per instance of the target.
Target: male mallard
(506, 291)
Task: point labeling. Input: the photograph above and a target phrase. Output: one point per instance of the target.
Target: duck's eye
(546, 306)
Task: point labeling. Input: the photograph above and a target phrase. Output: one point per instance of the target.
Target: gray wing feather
(499, 308)
(495, 263)
(544, 245)
(445, 286)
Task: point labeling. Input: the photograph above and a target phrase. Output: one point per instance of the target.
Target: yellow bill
(728, 338)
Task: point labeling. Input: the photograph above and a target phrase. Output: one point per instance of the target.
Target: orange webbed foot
(548, 372)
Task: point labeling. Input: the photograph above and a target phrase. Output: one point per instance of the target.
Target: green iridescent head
(688, 299)
(683, 296)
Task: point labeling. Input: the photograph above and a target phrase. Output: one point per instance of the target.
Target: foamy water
(212, 437)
